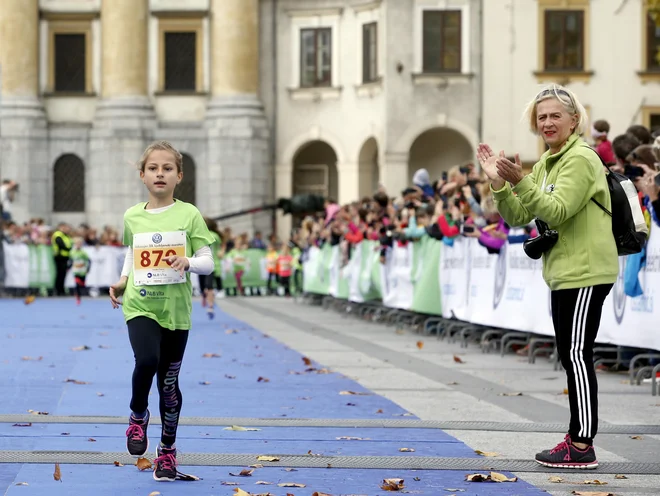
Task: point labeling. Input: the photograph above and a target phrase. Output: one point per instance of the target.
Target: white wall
(615, 91)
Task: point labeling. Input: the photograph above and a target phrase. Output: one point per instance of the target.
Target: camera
(535, 247)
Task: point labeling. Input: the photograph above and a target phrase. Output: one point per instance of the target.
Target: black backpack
(628, 222)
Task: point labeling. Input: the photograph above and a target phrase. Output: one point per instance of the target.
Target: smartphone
(468, 228)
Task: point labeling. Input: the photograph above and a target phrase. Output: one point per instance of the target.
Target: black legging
(157, 351)
(61, 266)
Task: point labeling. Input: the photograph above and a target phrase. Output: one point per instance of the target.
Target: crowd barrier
(465, 282)
(33, 267)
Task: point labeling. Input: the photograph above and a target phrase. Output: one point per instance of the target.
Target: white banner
(396, 277)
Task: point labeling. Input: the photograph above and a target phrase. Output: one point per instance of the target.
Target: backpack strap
(608, 168)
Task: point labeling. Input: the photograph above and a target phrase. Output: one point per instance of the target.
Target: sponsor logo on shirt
(156, 238)
(152, 293)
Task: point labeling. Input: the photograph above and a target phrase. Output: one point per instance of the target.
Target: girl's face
(160, 174)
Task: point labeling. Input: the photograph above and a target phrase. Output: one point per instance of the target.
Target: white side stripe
(577, 314)
(581, 362)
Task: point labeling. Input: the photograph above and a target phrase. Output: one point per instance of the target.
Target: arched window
(69, 184)
(185, 191)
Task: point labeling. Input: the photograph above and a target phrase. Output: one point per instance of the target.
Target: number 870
(145, 257)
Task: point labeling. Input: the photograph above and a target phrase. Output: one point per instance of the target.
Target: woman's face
(554, 123)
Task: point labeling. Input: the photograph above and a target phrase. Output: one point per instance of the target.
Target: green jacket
(559, 191)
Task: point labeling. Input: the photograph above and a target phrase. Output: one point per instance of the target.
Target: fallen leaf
(210, 355)
(407, 450)
(306, 361)
(477, 478)
(246, 472)
(263, 379)
(225, 483)
(348, 438)
(290, 469)
(118, 464)
(291, 484)
(620, 476)
(239, 428)
(21, 484)
(100, 394)
(266, 458)
(35, 412)
(91, 440)
(595, 482)
(313, 454)
(592, 493)
(154, 493)
(29, 424)
(638, 438)
(486, 453)
(510, 394)
(57, 475)
(353, 393)
(30, 359)
(74, 381)
(204, 383)
(452, 490)
(257, 465)
(565, 391)
(316, 493)
(240, 492)
(305, 398)
(407, 414)
(400, 331)
(458, 359)
(420, 345)
(380, 410)
(556, 479)
(65, 434)
(392, 484)
(230, 376)
(143, 464)
(29, 300)
(497, 477)
(351, 404)
(81, 348)
(452, 384)
(231, 331)
(263, 483)
(104, 346)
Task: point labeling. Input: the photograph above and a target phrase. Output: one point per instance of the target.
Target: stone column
(394, 172)
(349, 183)
(125, 38)
(237, 128)
(22, 119)
(125, 119)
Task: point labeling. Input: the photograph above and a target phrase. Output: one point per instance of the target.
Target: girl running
(161, 234)
(80, 264)
(207, 282)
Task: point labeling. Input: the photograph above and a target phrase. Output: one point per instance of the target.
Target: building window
(564, 40)
(315, 57)
(441, 41)
(652, 44)
(69, 184)
(369, 52)
(651, 118)
(181, 67)
(186, 190)
(69, 57)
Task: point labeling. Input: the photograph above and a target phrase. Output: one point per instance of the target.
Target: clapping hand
(488, 161)
(510, 171)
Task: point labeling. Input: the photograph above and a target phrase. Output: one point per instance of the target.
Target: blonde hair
(567, 99)
(164, 146)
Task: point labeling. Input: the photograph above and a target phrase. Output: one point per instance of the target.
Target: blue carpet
(38, 356)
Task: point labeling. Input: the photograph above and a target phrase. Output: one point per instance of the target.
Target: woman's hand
(510, 171)
(117, 290)
(488, 162)
(178, 263)
(647, 183)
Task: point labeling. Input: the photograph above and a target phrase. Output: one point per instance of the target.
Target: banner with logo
(426, 283)
(255, 273)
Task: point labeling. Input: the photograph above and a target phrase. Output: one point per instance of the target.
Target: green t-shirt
(79, 262)
(168, 304)
(239, 259)
(215, 247)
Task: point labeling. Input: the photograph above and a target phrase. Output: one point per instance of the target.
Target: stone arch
(69, 184)
(187, 189)
(407, 139)
(368, 168)
(315, 170)
(437, 150)
(313, 134)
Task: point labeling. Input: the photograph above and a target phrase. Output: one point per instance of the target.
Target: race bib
(79, 265)
(149, 252)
